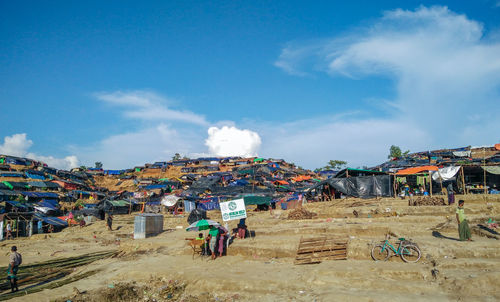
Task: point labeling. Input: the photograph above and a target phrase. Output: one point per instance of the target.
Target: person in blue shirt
(40, 227)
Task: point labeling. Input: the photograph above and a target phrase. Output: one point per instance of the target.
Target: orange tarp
(415, 170)
(301, 178)
(282, 182)
(497, 146)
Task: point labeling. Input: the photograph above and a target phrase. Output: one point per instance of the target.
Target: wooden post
(484, 172)
(430, 183)
(463, 180)
(441, 182)
(394, 186)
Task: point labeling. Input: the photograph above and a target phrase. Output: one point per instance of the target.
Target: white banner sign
(234, 209)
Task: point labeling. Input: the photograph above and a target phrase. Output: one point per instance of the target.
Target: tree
(395, 152)
(333, 164)
(98, 165)
(176, 156)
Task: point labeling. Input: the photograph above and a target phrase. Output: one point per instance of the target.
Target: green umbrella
(201, 225)
(8, 184)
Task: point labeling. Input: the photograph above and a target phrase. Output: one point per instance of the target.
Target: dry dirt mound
(155, 290)
(301, 213)
(427, 201)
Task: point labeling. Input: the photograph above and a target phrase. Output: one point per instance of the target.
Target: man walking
(451, 194)
(463, 225)
(109, 222)
(15, 260)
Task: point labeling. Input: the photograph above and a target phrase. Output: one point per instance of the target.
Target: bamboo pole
(430, 183)
(463, 180)
(484, 172)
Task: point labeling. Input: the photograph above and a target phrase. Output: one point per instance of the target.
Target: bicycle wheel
(379, 254)
(410, 253)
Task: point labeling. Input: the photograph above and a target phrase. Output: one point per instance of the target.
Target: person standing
(451, 194)
(109, 222)
(40, 227)
(213, 240)
(15, 260)
(463, 225)
(8, 229)
(222, 237)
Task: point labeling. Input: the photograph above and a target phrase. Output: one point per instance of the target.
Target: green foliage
(176, 156)
(98, 165)
(333, 164)
(395, 152)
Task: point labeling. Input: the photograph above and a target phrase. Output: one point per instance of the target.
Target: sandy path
(262, 268)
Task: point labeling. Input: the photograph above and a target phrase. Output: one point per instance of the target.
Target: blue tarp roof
(87, 193)
(34, 176)
(113, 172)
(17, 204)
(51, 220)
(46, 204)
(152, 187)
(37, 184)
(208, 159)
(11, 174)
(40, 194)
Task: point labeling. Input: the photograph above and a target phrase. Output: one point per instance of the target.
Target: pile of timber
(426, 201)
(301, 213)
(51, 274)
(315, 250)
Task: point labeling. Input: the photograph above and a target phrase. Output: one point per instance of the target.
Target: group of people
(406, 190)
(216, 241)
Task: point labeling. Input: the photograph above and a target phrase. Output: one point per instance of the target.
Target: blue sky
(126, 83)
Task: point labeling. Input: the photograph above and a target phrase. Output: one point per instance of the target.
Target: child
(463, 225)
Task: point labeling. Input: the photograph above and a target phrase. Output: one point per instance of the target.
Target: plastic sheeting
(361, 186)
(462, 153)
(209, 205)
(445, 173)
(196, 214)
(169, 200)
(492, 169)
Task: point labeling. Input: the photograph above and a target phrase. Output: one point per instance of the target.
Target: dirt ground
(162, 268)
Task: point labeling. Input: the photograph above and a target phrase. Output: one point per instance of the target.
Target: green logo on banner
(232, 205)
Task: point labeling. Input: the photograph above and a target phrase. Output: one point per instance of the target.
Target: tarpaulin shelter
(7, 195)
(361, 186)
(40, 194)
(11, 174)
(51, 220)
(350, 172)
(252, 199)
(416, 170)
(196, 214)
(446, 173)
(302, 178)
(34, 175)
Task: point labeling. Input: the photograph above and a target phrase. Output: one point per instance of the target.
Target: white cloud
(312, 142)
(231, 141)
(444, 70)
(147, 145)
(18, 145)
(147, 105)
(15, 145)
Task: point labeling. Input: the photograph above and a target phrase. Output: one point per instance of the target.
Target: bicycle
(407, 250)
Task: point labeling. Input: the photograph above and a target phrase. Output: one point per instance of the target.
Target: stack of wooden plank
(427, 201)
(317, 249)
